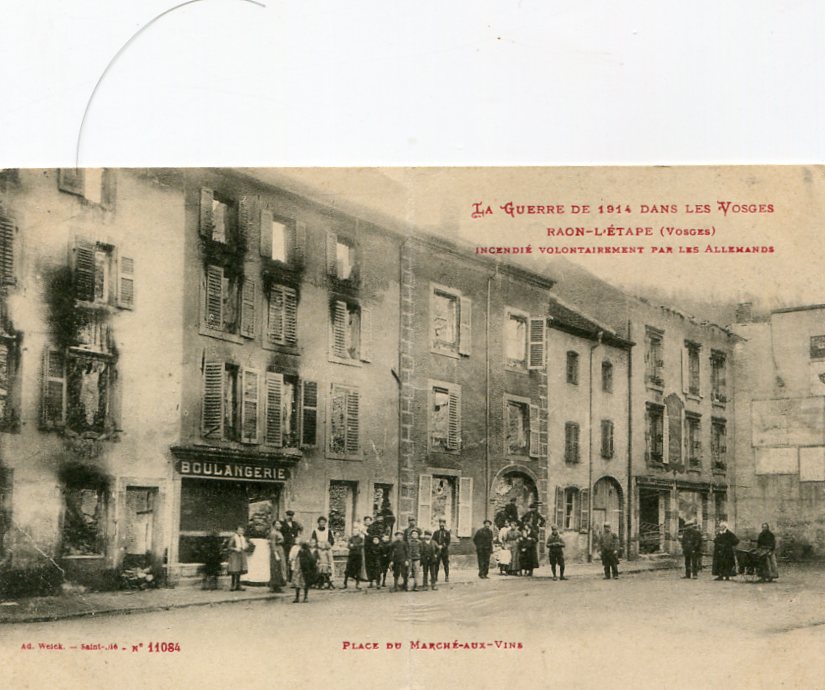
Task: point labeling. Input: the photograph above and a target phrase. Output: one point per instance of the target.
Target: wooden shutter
(7, 276)
(207, 218)
(214, 297)
(339, 330)
(274, 396)
(465, 327)
(534, 425)
(425, 500)
(212, 400)
(332, 254)
(108, 195)
(275, 318)
(366, 335)
(465, 506)
(84, 269)
(290, 316)
(266, 233)
(245, 212)
(662, 441)
(126, 283)
(299, 246)
(250, 395)
(584, 510)
(248, 309)
(454, 419)
(71, 180)
(309, 413)
(685, 370)
(559, 507)
(536, 344)
(53, 400)
(353, 430)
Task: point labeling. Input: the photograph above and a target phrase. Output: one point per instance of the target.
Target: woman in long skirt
(511, 543)
(277, 558)
(724, 556)
(356, 568)
(766, 541)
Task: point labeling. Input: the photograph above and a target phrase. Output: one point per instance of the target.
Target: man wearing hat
(290, 528)
(555, 552)
(483, 539)
(441, 538)
(609, 550)
(429, 560)
(410, 527)
(692, 550)
(533, 518)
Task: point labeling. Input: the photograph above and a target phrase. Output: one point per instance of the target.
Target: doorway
(141, 502)
(608, 507)
(650, 527)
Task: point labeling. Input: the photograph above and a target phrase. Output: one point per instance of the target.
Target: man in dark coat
(400, 560)
(483, 539)
(555, 552)
(534, 519)
(410, 527)
(510, 512)
(692, 550)
(290, 528)
(441, 538)
(609, 551)
(724, 556)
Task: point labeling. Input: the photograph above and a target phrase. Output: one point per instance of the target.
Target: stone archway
(513, 483)
(607, 507)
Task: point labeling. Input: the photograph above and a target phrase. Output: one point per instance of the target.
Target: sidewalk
(186, 594)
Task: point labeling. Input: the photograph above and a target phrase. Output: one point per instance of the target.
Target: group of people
(760, 560)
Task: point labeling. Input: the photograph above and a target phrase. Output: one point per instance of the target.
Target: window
(693, 439)
(77, 391)
(101, 276)
(719, 444)
(449, 497)
(282, 316)
(818, 347)
(83, 530)
(571, 443)
(607, 377)
(95, 185)
(522, 427)
(218, 217)
(573, 368)
(229, 303)
(342, 259)
(654, 433)
(721, 507)
(9, 393)
(381, 498)
(445, 417)
(282, 240)
(691, 374)
(341, 501)
(350, 333)
(573, 508)
(718, 377)
(7, 249)
(344, 434)
(450, 321)
(607, 438)
(654, 358)
(515, 341)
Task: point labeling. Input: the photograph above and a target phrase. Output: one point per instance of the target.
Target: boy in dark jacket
(400, 559)
(386, 557)
(429, 560)
(415, 557)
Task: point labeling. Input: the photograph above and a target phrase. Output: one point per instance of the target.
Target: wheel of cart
(751, 562)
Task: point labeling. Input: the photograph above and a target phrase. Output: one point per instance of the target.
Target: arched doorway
(513, 483)
(608, 508)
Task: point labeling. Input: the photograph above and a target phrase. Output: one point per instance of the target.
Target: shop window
(571, 443)
(691, 508)
(573, 368)
(718, 377)
(719, 444)
(101, 275)
(654, 433)
(282, 316)
(654, 357)
(9, 384)
(693, 439)
(448, 497)
(607, 377)
(450, 321)
(350, 333)
(607, 438)
(691, 371)
(94, 185)
(229, 303)
(515, 340)
(342, 503)
(83, 532)
(344, 422)
(342, 258)
(218, 217)
(445, 417)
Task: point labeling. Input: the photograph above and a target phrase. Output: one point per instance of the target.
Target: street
(644, 630)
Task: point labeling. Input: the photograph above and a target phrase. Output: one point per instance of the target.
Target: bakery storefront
(220, 491)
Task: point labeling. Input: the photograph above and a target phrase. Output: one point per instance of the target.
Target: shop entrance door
(650, 528)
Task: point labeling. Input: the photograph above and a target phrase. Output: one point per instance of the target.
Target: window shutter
(309, 413)
(54, 389)
(214, 297)
(610, 448)
(685, 370)
(274, 396)
(465, 329)
(245, 218)
(339, 330)
(661, 442)
(109, 189)
(454, 420)
(277, 311)
(266, 233)
(465, 506)
(576, 456)
(537, 340)
(71, 180)
(332, 254)
(213, 397)
(84, 269)
(299, 247)
(559, 507)
(366, 335)
(249, 406)
(352, 441)
(568, 443)
(207, 220)
(584, 510)
(7, 276)
(248, 309)
(425, 500)
(126, 283)
(534, 425)
(290, 316)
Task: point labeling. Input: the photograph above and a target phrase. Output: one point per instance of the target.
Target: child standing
(429, 559)
(303, 569)
(325, 566)
(400, 559)
(415, 558)
(373, 555)
(386, 557)
(237, 565)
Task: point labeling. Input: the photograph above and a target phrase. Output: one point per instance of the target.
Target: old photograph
(413, 427)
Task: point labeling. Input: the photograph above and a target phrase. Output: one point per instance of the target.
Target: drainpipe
(590, 451)
(629, 492)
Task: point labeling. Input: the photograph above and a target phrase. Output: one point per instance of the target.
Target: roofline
(805, 307)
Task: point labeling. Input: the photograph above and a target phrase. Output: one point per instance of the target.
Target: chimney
(744, 312)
